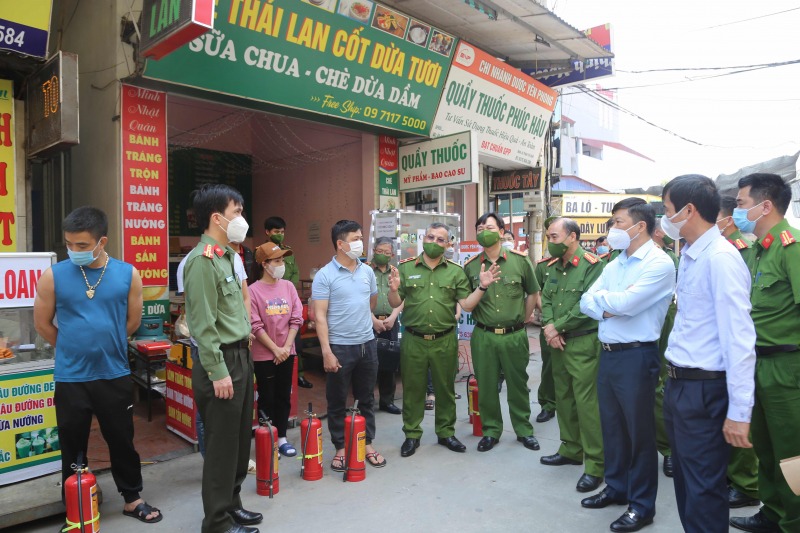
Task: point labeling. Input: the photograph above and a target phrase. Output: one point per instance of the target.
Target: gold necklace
(91, 288)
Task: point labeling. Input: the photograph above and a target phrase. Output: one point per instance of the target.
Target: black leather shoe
(557, 460)
(487, 443)
(242, 529)
(601, 500)
(453, 444)
(529, 442)
(545, 415)
(246, 518)
(738, 499)
(588, 483)
(630, 521)
(667, 468)
(758, 523)
(391, 408)
(409, 447)
(304, 383)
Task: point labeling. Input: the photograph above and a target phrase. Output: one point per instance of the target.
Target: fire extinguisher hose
(351, 434)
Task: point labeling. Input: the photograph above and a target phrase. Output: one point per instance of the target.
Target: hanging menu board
(190, 169)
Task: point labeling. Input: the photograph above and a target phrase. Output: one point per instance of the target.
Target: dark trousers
(694, 411)
(387, 382)
(228, 426)
(111, 401)
(274, 384)
(359, 370)
(626, 383)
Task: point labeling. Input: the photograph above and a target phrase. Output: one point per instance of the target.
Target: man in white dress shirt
(709, 394)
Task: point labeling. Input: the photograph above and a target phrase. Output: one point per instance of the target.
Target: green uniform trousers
(743, 470)
(662, 441)
(416, 356)
(547, 391)
(775, 427)
(228, 428)
(510, 353)
(575, 377)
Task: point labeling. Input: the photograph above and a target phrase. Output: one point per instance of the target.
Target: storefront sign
(447, 160)
(169, 24)
(516, 180)
(8, 148)
(596, 205)
(509, 110)
(144, 183)
(29, 444)
(180, 402)
(21, 273)
(582, 70)
(592, 228)
(25, 26)
(53, 122)
(389, 197)
(359, 61)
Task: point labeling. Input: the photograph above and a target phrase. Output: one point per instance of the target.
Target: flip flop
(141, 511)
(376, 464)
(340, 467)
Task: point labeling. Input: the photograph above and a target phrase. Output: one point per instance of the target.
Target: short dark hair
(697, 190)
(213, 198)
(272, 223)
(89, 219)
(726, 205)
(340, 230)
(768, 187)
(491, 214)
(639, 211)
(569, 225)
(383, 240)
(598, 240)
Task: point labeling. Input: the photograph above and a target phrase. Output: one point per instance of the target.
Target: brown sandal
(337, 464)
(372, 459)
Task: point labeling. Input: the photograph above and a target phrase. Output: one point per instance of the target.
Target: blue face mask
(602, 250)
(742, 222)
(82, 258)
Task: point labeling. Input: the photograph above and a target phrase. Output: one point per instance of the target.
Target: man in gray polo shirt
(345, 293)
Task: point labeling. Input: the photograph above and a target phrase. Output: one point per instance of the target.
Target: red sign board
(145, 230)
(181, 408)
(169, 24)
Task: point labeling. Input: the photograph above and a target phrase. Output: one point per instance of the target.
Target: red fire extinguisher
(80, 492)
(267, 480)
(477, 428)
(471, 384)
(355, 445)
(311, 437)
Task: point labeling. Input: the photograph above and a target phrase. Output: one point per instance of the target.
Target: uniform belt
(381, 317)
(678, 372)
(244, 343)
(581, 333)
(500, 331)
(619, 346)
(429, 336)
(767, 351)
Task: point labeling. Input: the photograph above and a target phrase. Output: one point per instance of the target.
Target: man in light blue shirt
(345, 293)
(709, 394)
(630, 301)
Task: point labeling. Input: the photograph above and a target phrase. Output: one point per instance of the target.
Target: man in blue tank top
(98, 301)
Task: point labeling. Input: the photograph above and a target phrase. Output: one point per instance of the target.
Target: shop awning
(522, 32)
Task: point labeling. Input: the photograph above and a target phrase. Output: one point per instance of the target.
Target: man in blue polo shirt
(345, 293)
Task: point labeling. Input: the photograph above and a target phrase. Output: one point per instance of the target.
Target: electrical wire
(779, 64)
(748, 19)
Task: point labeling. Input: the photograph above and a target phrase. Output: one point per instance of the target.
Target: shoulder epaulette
(787, 238)
(543, 259)
(213, 249)
(553, 261)
(739, 244)
(456, 264)
(518, 252)
(406, 260)
(591, 258)
(471, 258)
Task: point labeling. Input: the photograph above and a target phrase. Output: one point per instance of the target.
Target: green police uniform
(575, 368)
(220, 325)
(743, 462)
(430, 297)
(292, 272)
(387, 384)
(546, 394)
(775, 295)
(499, 341)
(662, 441)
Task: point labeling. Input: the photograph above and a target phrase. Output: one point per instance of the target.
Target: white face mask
(356, 249)
(673, 229)
(449, 253)
(508, 244)
(237, 229)
(276, 272)
(620, 239)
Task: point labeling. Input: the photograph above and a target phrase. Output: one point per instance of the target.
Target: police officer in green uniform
(774, 266)
(429, 287)
(499, 341)
(743, 463)
(576, 352)
(275, 230)
(385, 321)
(662, 441)
(546, 394)
(223, 381)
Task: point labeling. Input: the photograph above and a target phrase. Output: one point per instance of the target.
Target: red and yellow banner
(8, 205)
